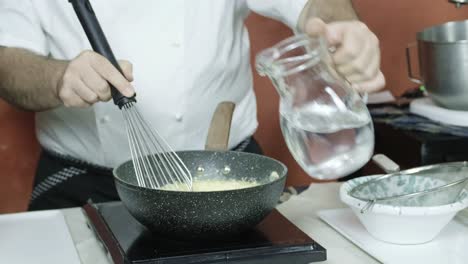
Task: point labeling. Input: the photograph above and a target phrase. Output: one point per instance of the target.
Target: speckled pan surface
(189, 215)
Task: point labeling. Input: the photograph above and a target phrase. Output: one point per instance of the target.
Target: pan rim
(135, 187)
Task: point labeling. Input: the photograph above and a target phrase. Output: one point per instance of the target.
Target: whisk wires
(154, 161)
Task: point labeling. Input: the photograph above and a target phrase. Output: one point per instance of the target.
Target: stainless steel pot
(443, 63)
(459, 3)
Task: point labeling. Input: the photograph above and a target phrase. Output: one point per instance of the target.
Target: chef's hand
(357, 55)
(86, 79)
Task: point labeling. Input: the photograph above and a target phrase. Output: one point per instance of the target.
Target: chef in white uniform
(182, 57)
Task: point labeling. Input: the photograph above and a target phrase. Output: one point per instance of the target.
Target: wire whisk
(155, 162)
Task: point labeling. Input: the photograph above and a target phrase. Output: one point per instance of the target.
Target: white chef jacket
(188, 55)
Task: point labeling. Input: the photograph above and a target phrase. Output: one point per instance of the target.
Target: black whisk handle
(98, 41)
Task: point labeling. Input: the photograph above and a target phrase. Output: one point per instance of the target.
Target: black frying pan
(189, 215)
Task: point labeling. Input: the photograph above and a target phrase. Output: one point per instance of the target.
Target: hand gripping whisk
(155, 162)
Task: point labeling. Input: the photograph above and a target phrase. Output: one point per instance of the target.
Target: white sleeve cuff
(287, 11)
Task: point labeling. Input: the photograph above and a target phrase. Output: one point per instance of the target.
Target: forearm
(29, 81)
(328, 11)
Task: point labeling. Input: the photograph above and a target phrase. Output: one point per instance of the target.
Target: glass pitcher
(325, 123)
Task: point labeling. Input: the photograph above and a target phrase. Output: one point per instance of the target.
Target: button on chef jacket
(187, 56)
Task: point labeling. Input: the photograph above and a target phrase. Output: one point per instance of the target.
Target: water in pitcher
(326, 142)
(325, 123)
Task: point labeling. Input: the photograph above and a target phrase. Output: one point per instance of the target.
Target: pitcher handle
(363, 95)
(408, 63)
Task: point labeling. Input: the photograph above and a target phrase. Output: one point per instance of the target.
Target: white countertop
(301, 210)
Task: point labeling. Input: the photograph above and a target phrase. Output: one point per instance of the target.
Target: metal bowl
(215, 214)
(443, 60)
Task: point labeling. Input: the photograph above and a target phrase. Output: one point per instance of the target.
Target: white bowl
(402, 225)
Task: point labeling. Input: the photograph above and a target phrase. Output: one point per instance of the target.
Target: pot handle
(408, 62)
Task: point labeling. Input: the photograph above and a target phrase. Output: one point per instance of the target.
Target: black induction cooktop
(275, 240)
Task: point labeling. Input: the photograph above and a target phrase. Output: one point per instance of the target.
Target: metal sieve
(431, 185)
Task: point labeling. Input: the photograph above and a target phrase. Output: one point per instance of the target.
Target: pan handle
(98, 41)
(408, 64)
(218, 133)
(385, 163)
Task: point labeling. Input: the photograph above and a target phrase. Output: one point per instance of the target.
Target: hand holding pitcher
(357, 52)
(326, 125)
